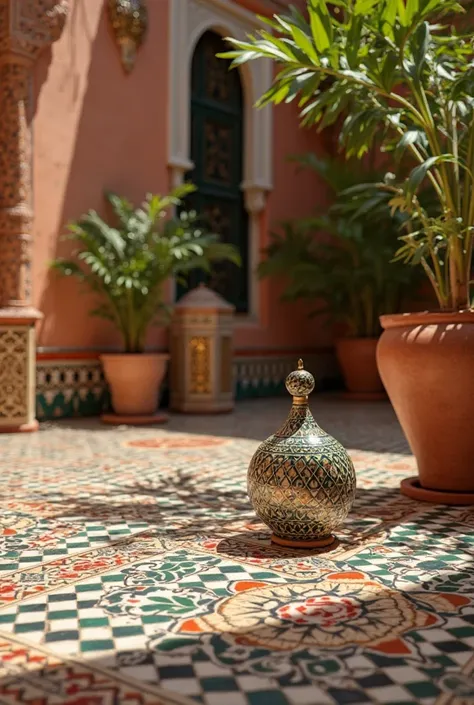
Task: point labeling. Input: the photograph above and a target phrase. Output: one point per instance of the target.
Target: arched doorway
(217, 149)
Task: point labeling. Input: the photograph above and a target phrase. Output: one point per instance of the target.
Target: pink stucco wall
(296, 194)
(95, 128)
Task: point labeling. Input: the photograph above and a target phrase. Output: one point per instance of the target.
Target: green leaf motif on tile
(170, 570)
(165, 600)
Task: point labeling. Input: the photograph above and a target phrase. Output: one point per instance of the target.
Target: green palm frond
(343, 260)
(121, 206)
(399, 75)
(127, 265)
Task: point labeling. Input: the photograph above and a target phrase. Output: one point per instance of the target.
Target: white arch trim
(189, 19)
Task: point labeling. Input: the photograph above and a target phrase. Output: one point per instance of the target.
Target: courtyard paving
(133, 570)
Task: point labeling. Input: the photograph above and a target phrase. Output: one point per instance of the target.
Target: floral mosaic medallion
(133, 571)
(173, 442)
(340, 610)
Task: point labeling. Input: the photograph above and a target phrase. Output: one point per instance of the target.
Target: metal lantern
(129, 20)
(201, 353)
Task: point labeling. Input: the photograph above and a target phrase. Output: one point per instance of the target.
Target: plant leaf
(362, 7)
(419, 173)
(412, 8)
(320, 25)
(420, 44)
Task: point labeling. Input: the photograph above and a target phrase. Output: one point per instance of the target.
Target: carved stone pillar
(26, 28)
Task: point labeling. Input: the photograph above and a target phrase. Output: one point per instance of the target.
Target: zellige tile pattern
(133, 570)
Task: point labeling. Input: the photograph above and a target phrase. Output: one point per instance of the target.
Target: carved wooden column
(26, 28)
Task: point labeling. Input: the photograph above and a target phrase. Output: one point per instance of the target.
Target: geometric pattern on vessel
(301, 481)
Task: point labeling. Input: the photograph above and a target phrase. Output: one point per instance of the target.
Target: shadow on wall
(114, 124)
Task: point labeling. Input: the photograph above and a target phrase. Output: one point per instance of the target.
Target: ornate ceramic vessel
(301, 481)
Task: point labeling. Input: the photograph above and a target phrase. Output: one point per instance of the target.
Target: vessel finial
(300, 383)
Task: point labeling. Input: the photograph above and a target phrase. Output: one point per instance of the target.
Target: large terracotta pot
(134, 381)
(426, 361)
(357, 359)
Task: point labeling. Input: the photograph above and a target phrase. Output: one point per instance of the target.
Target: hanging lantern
(129, 20)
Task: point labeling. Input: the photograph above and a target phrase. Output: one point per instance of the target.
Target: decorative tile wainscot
(75, 386)
(66, 387)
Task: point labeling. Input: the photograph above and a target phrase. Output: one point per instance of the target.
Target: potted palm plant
(127, 265)
(400, 69)
(341, 260)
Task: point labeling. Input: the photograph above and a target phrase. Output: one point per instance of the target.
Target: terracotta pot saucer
(411, 487)
(134, 419)
(22, 428)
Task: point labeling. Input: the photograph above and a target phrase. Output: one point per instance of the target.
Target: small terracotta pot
(134, 381)
(356, 357)
(426, 361)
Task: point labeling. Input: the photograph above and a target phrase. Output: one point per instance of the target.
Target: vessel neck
(300, 421)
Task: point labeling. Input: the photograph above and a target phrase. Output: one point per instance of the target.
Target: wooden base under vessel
(329, 541)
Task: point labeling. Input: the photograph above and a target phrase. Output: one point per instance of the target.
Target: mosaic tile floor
(133, 571)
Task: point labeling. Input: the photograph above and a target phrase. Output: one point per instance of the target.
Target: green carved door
(217, 153)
